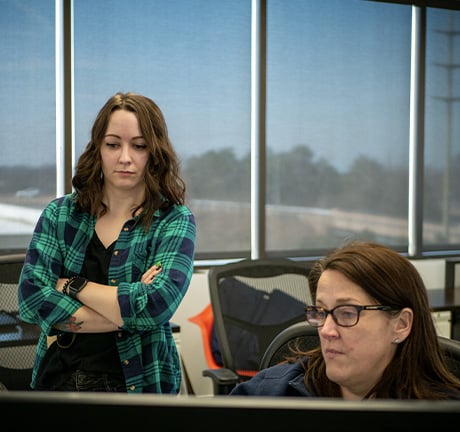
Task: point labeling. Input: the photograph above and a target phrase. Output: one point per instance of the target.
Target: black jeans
(82, 381)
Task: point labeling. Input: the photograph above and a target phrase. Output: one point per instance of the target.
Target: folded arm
(100, 311)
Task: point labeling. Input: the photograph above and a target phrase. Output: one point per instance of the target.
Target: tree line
(294, 178)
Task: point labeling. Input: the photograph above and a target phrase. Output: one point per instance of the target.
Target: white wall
(191, 345)
(432, 272)
(197, 297)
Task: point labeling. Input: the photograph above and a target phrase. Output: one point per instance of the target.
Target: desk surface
(447, 299)
(14, 332)
(129, 412)
(444, 299)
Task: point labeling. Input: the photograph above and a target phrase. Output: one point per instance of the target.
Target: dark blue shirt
(280, 380)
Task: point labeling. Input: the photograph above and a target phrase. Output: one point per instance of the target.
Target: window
(337, 114)
(337, 123)
(441, 226)
(27, 135)
(194, 59)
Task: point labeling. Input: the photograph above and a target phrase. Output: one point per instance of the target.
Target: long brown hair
(388, 278)
(164, 186)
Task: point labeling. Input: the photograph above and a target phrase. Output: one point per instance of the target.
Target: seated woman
(377, 335)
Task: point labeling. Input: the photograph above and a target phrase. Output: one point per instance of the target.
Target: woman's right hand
(150, 274)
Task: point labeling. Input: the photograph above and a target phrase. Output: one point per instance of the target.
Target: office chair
(451, 349)
(252, 301)
(223, 379)
(300, 336)
(205, 321)
(18, 339)
(305, 337)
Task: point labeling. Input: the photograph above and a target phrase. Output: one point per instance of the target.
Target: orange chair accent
(205, 321)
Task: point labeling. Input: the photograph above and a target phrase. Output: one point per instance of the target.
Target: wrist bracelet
(76, 285)
(66, 285)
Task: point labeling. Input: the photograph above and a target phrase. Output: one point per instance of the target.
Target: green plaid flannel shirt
(145, 342)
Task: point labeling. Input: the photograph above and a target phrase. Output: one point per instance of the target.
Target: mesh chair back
(300, 336)
(451, 349)
(18, 340)
(252, 301)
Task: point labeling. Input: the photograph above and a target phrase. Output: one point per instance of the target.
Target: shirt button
(113, 280)
(125, 229)
(116, 253)
(132, 388)
(126, 362)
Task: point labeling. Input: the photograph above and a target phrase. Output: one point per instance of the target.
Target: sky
(338, 80)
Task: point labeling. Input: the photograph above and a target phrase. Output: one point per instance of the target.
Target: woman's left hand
(150, 274)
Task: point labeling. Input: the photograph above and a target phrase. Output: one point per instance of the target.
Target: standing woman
(109, 264)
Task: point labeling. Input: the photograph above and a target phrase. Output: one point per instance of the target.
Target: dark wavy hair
(164, 186)
(418, 370)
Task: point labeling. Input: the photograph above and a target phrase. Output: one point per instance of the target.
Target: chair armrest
(223, 380)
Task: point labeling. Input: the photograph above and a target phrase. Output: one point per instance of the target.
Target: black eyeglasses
(346, 315)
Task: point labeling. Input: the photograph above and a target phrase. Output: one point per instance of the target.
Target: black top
(90, 352)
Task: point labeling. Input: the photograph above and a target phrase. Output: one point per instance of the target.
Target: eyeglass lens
(343, 315)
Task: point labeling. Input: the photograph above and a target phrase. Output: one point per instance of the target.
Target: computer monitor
(123, 412)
